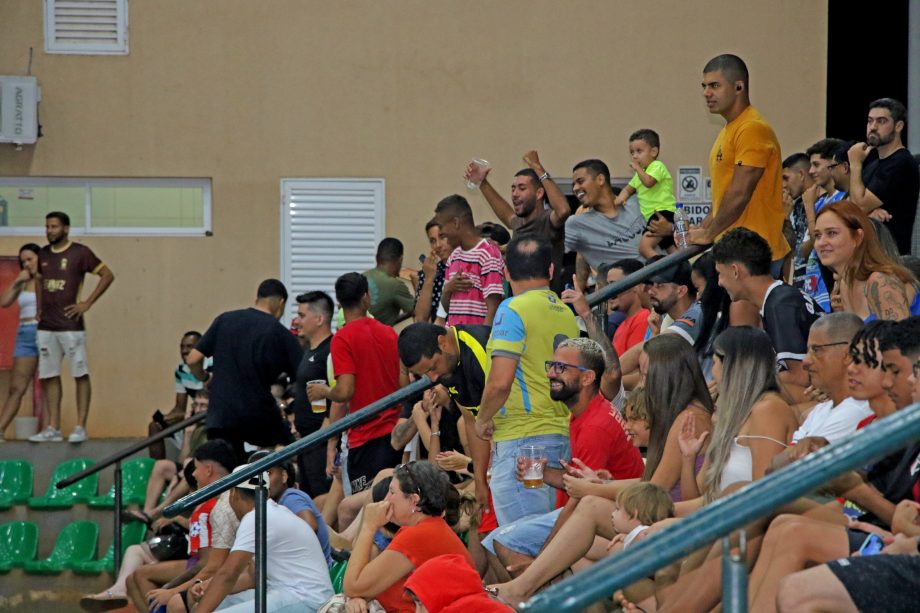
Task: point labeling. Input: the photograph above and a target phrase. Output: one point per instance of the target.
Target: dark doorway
(866, 60)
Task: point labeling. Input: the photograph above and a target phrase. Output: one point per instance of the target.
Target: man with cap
(675, 310)
(296, 572)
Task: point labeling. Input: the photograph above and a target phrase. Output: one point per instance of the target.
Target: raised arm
(12, 292)
(610, 382)
(859, 195)
(559, 205)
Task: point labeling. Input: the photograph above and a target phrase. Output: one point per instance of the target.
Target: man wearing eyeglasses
(826, 365)
(516, 407)
(599, 445)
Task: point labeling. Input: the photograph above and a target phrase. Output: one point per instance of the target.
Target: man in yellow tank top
(745, 163)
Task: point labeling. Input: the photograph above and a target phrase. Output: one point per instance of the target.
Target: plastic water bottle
(681, 227)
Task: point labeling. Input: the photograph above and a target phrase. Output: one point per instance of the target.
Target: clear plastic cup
(481, 163)
(533, 458)
(318, 406)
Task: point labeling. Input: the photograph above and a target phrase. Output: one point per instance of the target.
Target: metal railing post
(734, 574)
(261, 545)
(294, 449)
(116, 538)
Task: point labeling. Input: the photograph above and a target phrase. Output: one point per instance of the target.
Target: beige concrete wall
(249, 92)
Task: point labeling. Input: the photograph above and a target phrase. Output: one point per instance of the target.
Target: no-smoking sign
(690, 183)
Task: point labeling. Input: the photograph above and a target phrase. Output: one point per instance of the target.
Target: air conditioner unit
(19, 98)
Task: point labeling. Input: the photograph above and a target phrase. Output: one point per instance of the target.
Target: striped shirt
(483, 264)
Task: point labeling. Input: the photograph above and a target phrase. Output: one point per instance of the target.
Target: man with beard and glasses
(598, 441)
(526, 215)
(63, 266)
(884, 178)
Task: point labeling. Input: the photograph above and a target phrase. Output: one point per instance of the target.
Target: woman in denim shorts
(25, 355)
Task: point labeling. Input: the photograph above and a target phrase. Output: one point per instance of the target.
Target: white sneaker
(78, 435)
(48, 435)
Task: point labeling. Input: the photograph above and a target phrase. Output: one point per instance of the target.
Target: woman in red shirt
(416, 501)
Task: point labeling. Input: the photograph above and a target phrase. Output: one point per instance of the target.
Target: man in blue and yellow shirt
(516, 408)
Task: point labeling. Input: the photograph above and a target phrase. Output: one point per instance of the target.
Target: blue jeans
(525, 536)
(511, 499)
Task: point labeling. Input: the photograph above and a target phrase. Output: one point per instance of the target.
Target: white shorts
(53, 346)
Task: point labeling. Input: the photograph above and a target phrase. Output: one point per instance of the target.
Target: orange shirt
(430, 538)
(749, 140)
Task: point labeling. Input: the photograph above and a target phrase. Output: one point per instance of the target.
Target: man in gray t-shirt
(605, 232)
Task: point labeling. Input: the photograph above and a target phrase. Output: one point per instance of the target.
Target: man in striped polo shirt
(473, 280)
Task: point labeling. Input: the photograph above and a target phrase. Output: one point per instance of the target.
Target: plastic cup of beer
(534, 459)
(482, 164)
(319, 405)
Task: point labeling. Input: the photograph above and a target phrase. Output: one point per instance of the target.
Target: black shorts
(311, 468)
(667, 241)
(366, 461)
(881, 582)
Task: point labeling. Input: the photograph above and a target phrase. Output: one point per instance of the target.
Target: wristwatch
(544, 176)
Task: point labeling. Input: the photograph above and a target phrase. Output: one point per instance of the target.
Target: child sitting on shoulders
(654, 187)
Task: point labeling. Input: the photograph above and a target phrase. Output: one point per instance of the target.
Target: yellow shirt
(749, 140)
(528, 327)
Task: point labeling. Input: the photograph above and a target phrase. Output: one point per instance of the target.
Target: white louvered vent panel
(328, 227)
(86, 26)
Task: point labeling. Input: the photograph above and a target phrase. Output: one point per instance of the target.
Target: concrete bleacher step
(53, 594)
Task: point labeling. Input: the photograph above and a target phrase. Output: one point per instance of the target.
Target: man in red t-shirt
(631, 330)
(365, 363)
(597, 439)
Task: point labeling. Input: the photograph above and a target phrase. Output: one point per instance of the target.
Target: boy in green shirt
(653, 185)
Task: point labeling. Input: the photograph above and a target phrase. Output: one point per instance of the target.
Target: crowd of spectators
(797, 329)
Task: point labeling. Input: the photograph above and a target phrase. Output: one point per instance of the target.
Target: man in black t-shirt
(456, 358)
(314, 323)
(250, 350)
(884, 177)
(743, 262)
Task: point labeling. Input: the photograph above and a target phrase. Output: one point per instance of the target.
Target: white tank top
(740, 465)
(28, 307)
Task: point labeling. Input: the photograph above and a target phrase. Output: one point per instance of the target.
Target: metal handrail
(116, 459)
(130, 450)
(257, 468)
(296, 448)
(720, 518)
(371, 410)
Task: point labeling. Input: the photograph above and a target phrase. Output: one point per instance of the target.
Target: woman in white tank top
(25, 355)
(752, 421)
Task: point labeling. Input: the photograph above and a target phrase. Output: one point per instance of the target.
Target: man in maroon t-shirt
(63, 265)
(597, 440)
(365, 363)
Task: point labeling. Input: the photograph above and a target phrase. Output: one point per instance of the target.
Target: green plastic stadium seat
(131, 534)
(75, 543)
(18, 544)
(15, 482)
(337, 575)
(81, 491)
(134, 476)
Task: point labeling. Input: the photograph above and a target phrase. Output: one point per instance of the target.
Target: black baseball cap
(678, 273)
